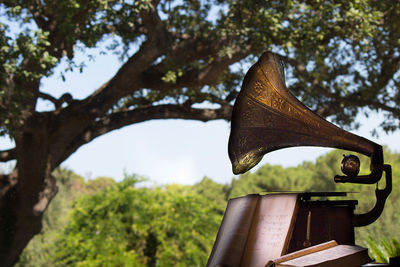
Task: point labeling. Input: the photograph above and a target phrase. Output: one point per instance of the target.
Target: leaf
(375, 252)
(387, 246)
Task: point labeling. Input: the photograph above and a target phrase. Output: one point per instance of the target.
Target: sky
(167, 151)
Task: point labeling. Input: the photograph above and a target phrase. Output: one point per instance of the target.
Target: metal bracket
(381, 196)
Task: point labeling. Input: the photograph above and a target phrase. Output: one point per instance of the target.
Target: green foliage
(337, 51)
(128, 226)
(384, 251)
(214, 192)
(273, 178)
(99, 184)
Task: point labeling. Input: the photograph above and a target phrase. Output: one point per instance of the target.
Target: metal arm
(381, 196)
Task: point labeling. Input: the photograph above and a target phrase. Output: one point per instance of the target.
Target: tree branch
(186, 50)
(48, 97)
(65, 98)
(350, 100)
(7, 155)
(201, 97)
(128, 78)
(118, 120)
(194, 77)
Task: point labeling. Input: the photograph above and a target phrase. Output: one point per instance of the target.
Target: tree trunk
(25, 195)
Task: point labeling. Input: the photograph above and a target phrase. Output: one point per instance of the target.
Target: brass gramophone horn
(267, 117)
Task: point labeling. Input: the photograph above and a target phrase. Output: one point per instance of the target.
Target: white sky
(167, 151)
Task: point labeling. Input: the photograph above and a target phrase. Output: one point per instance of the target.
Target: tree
(127, 226)
(215, 192)
(341, 57)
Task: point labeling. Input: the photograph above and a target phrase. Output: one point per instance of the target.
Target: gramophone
(267, 117)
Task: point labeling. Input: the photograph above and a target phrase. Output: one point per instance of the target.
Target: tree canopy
(342, 58)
